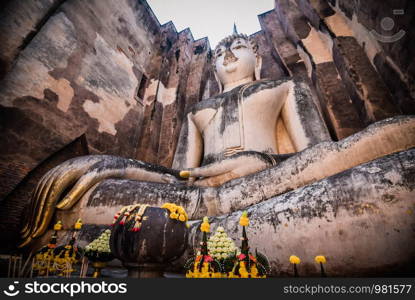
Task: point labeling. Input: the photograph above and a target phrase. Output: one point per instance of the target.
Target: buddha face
(235, 60)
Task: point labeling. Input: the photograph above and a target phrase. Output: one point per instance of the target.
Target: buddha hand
(78, 175)
(238, 165)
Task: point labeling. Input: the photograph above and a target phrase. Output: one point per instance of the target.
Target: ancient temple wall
(20, 20)
(346, 64)
(392, 60)
(184, 79)
(71, 69)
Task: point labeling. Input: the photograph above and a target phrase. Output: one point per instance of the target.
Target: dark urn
(146, 249)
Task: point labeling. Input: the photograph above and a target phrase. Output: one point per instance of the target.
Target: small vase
(98, 265)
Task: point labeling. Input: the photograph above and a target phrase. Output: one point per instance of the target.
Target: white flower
(220, 229)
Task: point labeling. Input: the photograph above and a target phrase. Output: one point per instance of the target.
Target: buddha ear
(220, 86)
(258, 66)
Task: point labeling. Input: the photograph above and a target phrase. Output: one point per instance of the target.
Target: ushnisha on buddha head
(236, 61)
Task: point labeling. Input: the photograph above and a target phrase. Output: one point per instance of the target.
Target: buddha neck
(229, 86)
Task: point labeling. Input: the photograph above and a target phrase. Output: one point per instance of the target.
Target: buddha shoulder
(249, 89)
(209, 103)
(264, 84)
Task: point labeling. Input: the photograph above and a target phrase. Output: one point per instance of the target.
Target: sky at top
(211, 18)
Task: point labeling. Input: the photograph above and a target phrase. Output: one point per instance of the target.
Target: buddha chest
(242, 119)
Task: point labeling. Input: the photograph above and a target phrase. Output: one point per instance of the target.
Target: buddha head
(236, 58)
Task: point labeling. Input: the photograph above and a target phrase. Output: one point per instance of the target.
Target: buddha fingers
(31, 211)
(84, 172)
(111, 168)
(48, 191)
(36, 201)
(44, 199)
(218, 173)
(85, 183)
(67, 174)
(216, 180)
(51, 196)
(213, 169)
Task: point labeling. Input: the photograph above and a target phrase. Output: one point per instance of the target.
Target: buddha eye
(239, 47)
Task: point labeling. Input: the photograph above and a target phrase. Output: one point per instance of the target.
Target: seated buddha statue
(251, 126)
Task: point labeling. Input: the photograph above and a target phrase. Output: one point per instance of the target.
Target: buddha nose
(229, 57)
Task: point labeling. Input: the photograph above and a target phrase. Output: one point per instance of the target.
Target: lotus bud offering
(99, 249)
(221, 246)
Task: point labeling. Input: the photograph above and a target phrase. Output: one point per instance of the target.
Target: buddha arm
(301, 118)
(189, 149)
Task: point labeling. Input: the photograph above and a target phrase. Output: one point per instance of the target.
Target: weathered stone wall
(78, 74)
(357, 78)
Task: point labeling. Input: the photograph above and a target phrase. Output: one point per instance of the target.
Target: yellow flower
(244, 220)
(57, 226)
(181, 210)
(78, 224)
(244, 274)
(205, 227)
(320, 259)
(295, 259)
(167, 205)
(173, 216)
(254, 270)
(182, 218)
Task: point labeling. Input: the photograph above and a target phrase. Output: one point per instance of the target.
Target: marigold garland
(176, 212)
